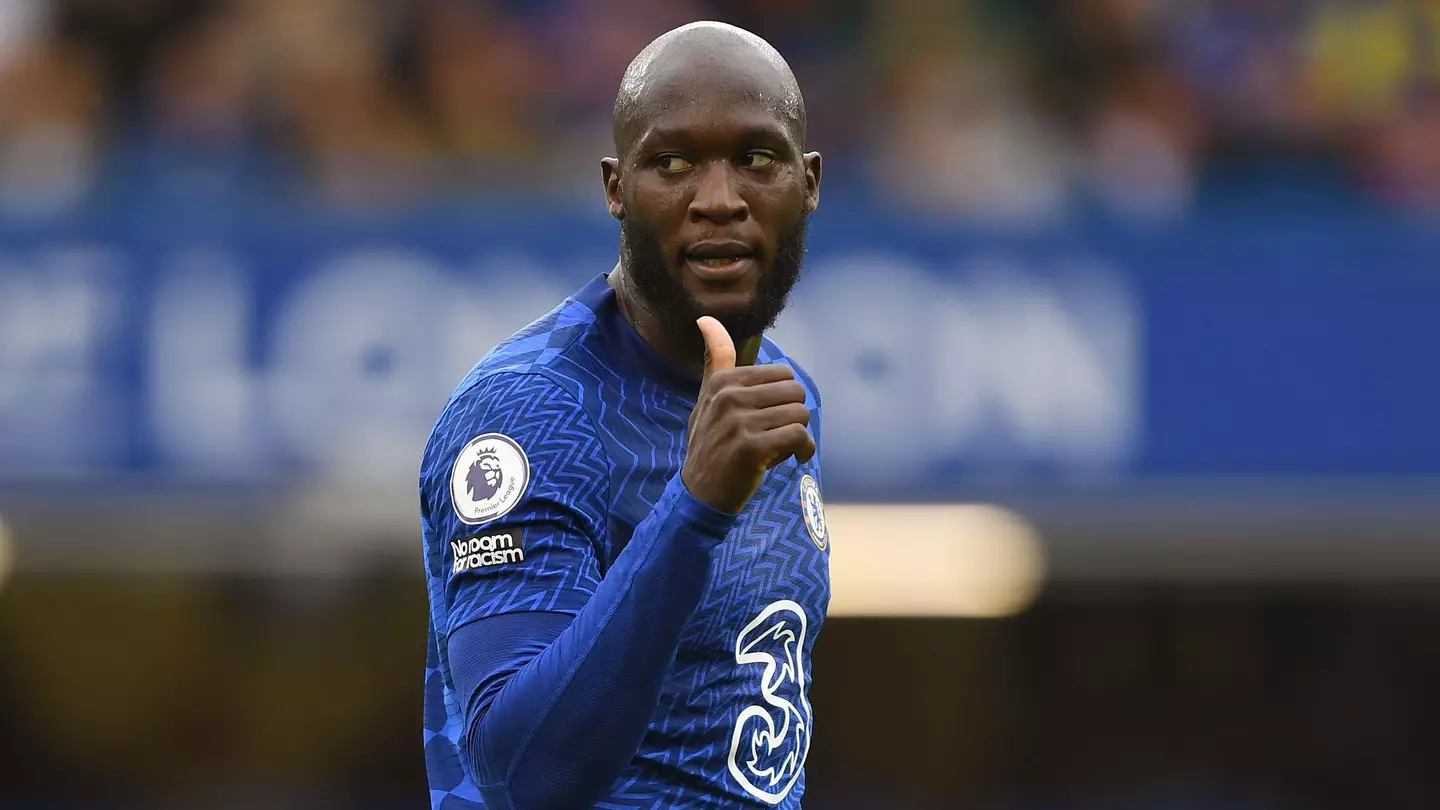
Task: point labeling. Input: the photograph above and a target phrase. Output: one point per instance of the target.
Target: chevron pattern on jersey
(604, 435)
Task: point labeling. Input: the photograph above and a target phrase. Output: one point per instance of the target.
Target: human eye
(671, 163)
(758, 159)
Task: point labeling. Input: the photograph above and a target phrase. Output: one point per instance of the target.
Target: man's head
(711, 184)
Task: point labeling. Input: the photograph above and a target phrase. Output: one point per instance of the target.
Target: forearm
(564, 725)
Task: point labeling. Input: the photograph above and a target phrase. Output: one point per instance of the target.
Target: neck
(685, 351)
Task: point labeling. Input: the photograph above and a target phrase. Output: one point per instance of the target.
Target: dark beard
(664, 296)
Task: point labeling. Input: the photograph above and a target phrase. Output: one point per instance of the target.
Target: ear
(812, 181)
(610, 173)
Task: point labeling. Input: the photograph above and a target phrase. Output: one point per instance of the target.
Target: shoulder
(532, 371)
(771, 352)
(511, 398)
(524, 399)
(527, 428)
(542, 348)
(538, 406)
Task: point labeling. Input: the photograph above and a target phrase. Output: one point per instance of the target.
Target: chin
(741, 324)
(725, 305)
(714, 296)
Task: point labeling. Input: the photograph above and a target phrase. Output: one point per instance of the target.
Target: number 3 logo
(771, 740)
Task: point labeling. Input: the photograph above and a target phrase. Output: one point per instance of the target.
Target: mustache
(664, 296)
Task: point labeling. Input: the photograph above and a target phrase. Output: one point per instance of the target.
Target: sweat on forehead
(704, 63)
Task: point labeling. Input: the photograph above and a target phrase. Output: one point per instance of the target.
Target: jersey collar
(631, 351)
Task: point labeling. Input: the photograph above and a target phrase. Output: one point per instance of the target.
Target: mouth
(720, 262)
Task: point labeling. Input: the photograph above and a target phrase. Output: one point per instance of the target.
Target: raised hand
(746, 420)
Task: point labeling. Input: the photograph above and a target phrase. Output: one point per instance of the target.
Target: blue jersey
(551, 452)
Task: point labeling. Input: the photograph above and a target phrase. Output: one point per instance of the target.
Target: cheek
(779, 210)
(659, 212)
(658, 201)
(782, 196)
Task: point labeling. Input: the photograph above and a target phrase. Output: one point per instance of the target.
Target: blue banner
(183, 347)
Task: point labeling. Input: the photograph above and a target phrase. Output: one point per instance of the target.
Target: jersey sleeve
(514, 490)
(514, 494)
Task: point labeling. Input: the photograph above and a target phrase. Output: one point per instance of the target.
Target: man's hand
(746, 420)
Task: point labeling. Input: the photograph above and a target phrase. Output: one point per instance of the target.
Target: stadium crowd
(995, 110)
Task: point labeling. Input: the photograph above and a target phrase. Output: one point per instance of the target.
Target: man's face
(715, 194)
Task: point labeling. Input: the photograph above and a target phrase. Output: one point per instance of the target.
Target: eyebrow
(750, 132)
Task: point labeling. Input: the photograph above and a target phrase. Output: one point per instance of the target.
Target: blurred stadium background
(1124, 314)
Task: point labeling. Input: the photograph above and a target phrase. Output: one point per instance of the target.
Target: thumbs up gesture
(747, 420)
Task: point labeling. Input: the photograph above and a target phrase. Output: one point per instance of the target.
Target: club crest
(813, 510)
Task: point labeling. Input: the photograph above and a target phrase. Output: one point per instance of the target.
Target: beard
(664, 295)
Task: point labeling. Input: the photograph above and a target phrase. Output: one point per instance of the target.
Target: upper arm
(514, 489)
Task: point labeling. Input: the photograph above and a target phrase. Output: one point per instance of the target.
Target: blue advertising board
(175, 348)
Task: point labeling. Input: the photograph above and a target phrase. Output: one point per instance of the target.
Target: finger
(719, 348)
(769, 395)
(751, 376)
(790, 413)
(808, 450)
(789, 440)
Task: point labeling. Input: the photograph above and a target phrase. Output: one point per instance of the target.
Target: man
(625, 547)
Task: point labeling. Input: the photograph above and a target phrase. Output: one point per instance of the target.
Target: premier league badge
(489, 477)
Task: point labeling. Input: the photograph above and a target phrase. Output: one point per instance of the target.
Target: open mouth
(720, 262)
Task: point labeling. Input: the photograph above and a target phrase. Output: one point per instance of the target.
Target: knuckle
(727, 396)
(790, 413)
(775, 372)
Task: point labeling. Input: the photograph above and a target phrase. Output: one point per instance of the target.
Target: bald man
(625, 542)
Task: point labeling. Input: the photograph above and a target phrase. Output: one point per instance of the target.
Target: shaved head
(711, 184)
(660, 76)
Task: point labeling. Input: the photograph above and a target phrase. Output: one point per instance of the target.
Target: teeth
(719, 261)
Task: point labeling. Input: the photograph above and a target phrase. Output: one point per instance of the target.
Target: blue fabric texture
(601, 638)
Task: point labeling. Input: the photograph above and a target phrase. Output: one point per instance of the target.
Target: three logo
(772, 738)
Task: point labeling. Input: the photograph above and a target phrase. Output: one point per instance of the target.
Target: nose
(717, 199)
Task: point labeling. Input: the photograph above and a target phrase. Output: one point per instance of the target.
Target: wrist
(705, 518)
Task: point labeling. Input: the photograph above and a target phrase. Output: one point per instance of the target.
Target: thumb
(719, 348)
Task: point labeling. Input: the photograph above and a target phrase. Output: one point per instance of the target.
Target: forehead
(714, 123)
(715, 98)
